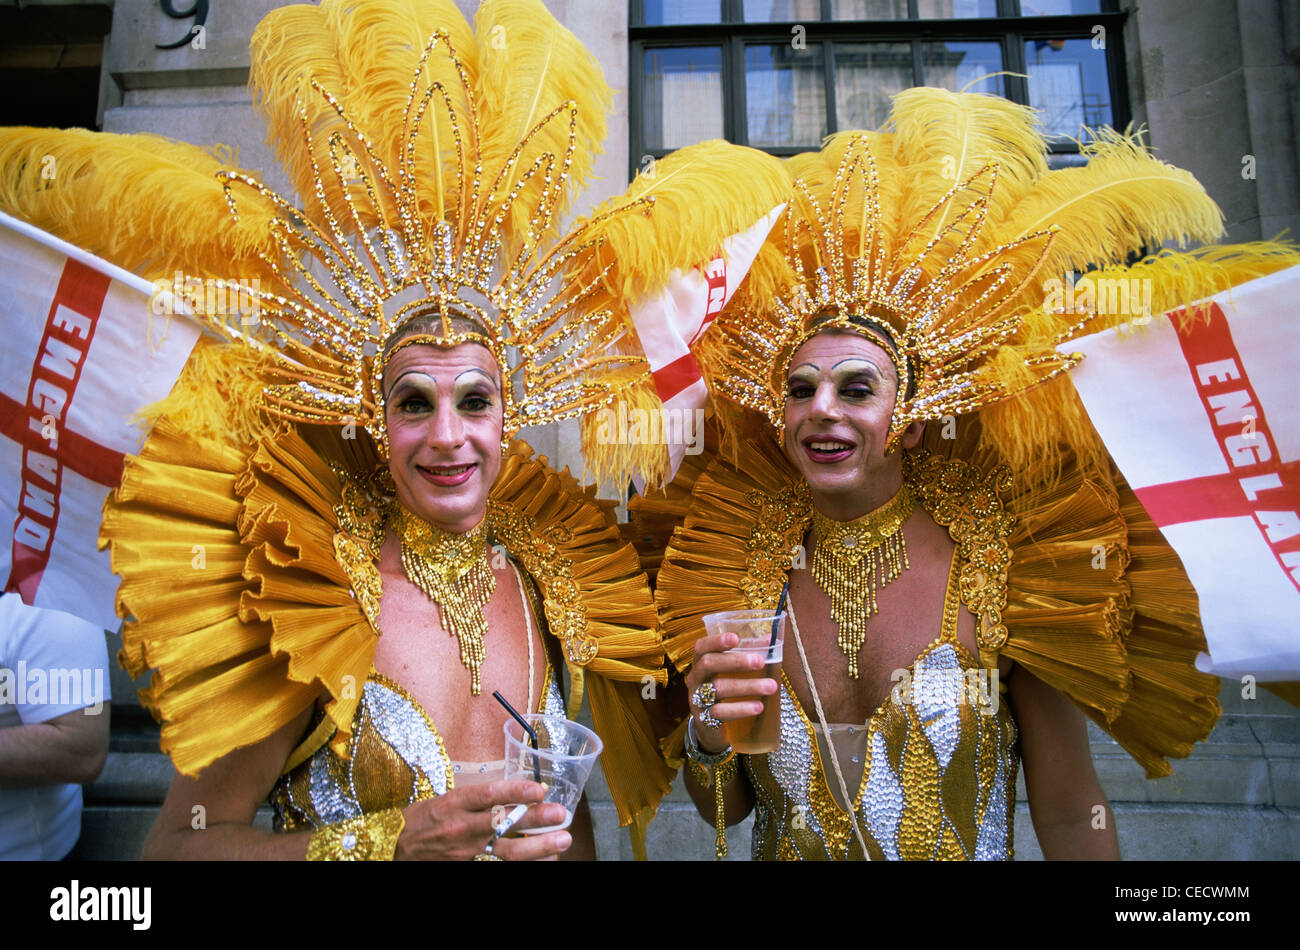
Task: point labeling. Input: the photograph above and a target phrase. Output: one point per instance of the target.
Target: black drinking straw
(777, 619)
(532, 736)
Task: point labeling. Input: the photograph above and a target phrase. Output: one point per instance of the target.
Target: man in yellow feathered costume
(906, 471)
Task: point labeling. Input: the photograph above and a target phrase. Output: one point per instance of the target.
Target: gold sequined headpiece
(932, 297)
(429, 224)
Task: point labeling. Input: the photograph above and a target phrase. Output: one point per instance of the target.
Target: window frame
(1009, 29)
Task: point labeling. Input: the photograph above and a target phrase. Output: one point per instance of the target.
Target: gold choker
(453, 570)
(855, 558)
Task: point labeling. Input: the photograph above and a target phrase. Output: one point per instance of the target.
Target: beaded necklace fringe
(855, 558)
(453, 570)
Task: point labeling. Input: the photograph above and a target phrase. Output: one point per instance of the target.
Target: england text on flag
(1199, 415)
(76, 363)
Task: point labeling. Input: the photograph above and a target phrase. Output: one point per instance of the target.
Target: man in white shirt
(54, 714)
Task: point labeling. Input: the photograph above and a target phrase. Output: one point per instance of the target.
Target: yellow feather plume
(530, 66)
(146, 203)
(942, 138)
(380, 44)
(1122, 201)
(289, 47)
(608, 458)
(218, 395)
(702, 194)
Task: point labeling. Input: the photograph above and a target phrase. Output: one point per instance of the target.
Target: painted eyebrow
(410, 372)
(419, 372)
(481, 372)
(875, 370)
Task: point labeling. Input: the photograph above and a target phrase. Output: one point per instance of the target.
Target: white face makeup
(444, 418)
(839, 403)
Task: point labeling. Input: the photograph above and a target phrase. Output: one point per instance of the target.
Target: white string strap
(528, 627)
(830, 746)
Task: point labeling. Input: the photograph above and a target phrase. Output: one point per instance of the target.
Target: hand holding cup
(735, 675)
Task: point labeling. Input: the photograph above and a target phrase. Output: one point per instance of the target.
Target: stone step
(1147, 832)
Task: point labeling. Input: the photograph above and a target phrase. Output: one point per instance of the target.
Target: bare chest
(416, 651)
(909, 619)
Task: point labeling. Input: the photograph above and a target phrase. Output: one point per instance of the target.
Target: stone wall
(1218, 86)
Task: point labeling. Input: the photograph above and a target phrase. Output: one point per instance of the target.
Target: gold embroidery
(360, 534)
(371, 837)
(967, 502)
(776, 539)
(537, 549)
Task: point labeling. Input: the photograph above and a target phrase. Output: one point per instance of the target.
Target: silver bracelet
(698, 755)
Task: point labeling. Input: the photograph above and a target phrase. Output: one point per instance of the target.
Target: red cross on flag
(670, 322)
(76, 363)
(1201, 418)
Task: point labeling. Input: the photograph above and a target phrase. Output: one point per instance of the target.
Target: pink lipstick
(447, 476)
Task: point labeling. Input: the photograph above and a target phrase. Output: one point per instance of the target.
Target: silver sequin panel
(937, 690)
(403, 727)
(792, 766)
(553, 702)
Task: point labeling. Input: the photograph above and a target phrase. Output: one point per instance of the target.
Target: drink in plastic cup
(761, 632)
(565, 753)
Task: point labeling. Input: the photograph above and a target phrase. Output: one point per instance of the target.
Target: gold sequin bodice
(938, 762)
(396, 757)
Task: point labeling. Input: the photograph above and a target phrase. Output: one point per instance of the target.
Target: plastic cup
(754, 735)
(565, 754)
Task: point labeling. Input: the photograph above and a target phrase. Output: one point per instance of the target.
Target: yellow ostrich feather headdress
(446, 208)
(939, 237)
(939, 307)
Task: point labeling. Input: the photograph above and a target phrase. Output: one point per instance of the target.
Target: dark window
(50, 60)
(782, 74)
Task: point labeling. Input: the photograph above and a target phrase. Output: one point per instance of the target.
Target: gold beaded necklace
(855, 558)
(453, 570)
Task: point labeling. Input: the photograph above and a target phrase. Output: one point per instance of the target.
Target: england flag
(1200, 415)
(668, 323)
(83, 350)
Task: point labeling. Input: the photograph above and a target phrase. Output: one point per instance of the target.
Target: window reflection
(869, 9)
(867, 75)
(785, 95)
(682, 97)
(1068, 82)
(1058, 7)
(957, 66)
(776, 11)
(950, 9)
(659, 12)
